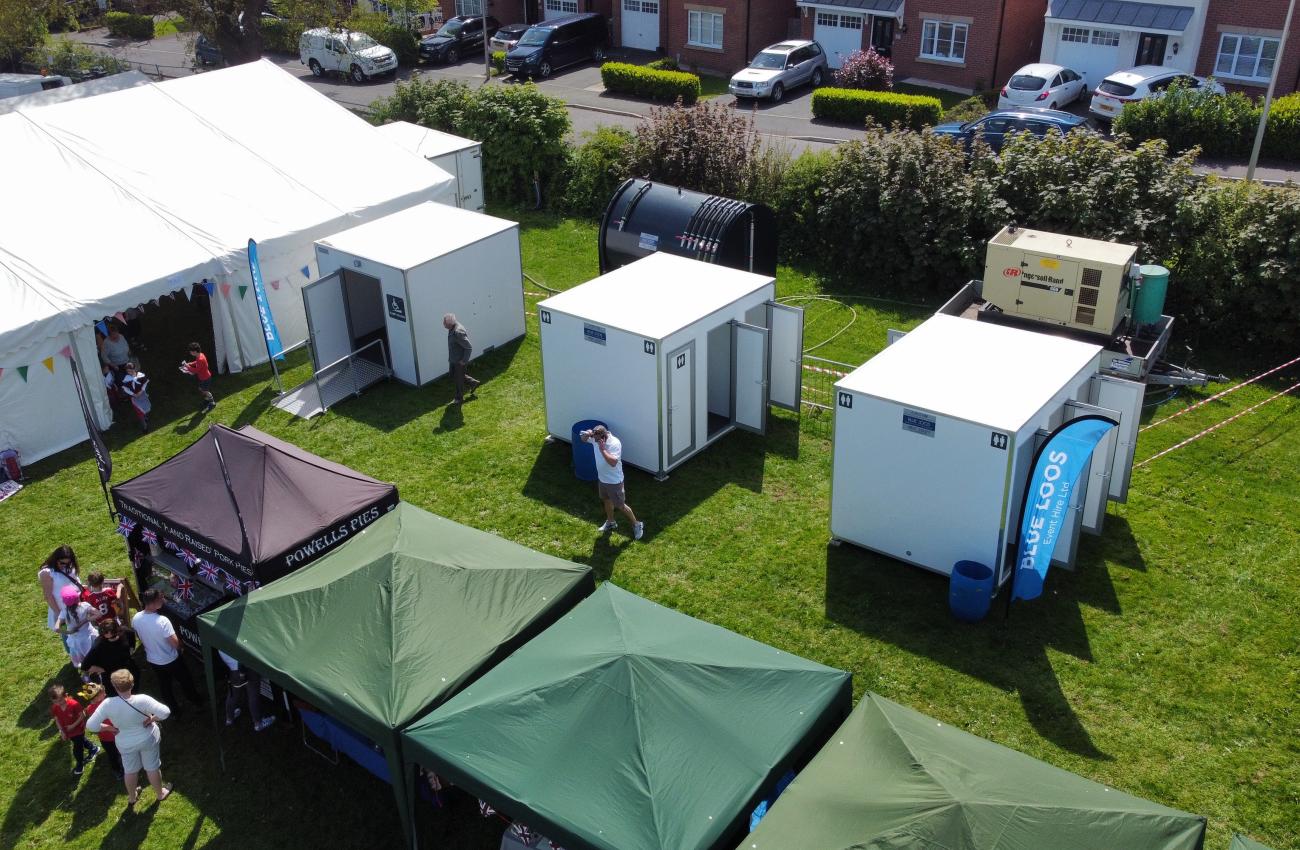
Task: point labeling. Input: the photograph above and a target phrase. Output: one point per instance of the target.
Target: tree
(24, 24)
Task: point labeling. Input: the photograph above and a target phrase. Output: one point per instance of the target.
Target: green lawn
(1165, 666)
(949, 99)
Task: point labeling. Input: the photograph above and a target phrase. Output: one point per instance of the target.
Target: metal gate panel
(785, 324)
(327, 320)
(749, 379)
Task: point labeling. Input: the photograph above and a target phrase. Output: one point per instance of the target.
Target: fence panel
(819, 377)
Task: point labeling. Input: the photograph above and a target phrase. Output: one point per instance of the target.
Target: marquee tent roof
(892, 778)
(629, 726)
(230, 487)
(132, 194)
(1245, 842)
(401, 617)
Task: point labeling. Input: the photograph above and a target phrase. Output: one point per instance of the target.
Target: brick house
(524, 11)
(1240, 42)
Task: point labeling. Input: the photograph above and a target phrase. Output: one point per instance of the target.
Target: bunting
(191, 560)
(210, 572)
(185, 589)
(243, 290)
(149, 536)
(48, 362)
(233, 585)
(22, 373)
(125, 526)
(225, 289)
(306, 271)
(275, 284)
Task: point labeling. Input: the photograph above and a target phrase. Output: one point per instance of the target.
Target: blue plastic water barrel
(1151, 296)
(584, 457)
(970, 591)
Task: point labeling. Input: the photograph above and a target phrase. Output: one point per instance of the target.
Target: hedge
(649, 83)
(397, 38)
(886, 108)
(1220, 125)
(129, 25)
(1282, 139)
(279, 36)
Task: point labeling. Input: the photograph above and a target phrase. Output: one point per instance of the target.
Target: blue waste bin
(584, 458)
(970, 591)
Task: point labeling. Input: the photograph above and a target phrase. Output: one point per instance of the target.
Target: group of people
(89, 618)
(124, 380)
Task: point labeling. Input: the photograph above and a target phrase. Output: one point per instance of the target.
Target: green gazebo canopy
(1242, 842)
(892, 778)
(395, 621)
(629, 726)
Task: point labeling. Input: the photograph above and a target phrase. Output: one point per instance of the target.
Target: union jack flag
(125, 526)
(485, 810)
(251, 585)
(185, 589)
(190, 559)
(523, 833)
(233, 585)
(209, 572)
(149, 536)
(167, 544)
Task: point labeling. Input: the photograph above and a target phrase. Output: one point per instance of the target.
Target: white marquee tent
(116, 200)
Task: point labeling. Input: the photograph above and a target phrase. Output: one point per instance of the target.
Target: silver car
(779, 68)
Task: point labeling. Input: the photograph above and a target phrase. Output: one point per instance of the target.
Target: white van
(12, 85)
(342, 52)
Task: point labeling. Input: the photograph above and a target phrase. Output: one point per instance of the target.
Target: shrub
(279, 36)
(865, 69)
(968, 110)
(401, 40)
(665, 63)
(707, 147)
(648, 83)
(438, 104)
(855, 107)
(73, 59)
(595, 169)
(129, 25)
(499, 61)
(1221, 125)
(1282, 138)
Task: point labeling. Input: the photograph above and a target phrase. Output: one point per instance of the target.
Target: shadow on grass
(49, 787)
(908, 607)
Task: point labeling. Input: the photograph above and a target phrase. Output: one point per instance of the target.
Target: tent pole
(402, 787)
(211, 678)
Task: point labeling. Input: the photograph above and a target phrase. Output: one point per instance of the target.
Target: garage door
(559, 8)
(641, 24)
(1093, 53)
(839, 34)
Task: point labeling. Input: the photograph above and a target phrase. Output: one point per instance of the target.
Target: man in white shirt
(162, 649)
(609, 474)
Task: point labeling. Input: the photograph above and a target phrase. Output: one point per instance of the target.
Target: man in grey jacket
(458, 351)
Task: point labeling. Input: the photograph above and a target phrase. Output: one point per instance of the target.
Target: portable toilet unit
(393, 279)
(459, 157)
(935, 438)
(671, 353)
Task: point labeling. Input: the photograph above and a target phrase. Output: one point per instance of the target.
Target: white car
(352, 54)
(1141, 83)
(1043, 86)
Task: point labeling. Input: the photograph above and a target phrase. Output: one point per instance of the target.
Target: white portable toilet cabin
(459, 157)
(393, 279)
(671, 353)
(935, 437)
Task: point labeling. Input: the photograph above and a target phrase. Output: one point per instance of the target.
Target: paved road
(789, 123)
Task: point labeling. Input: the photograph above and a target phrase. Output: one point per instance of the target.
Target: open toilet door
(750, 347)
(327, 320)
(785, 325)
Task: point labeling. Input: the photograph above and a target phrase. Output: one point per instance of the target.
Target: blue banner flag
(273, 347)
(1057, 466)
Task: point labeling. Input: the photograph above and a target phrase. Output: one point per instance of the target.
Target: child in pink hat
(76, 622)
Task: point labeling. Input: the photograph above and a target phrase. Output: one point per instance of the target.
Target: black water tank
(645, 217)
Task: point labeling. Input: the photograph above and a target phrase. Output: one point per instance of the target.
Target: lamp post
(1268, 95)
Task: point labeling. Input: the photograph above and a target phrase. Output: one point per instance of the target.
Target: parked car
(459, 36)
(1141, 83)
(557, 43)
(993, 127)
(354, 54)
(1042, 85)
(779, 68)
(207, 52)
(508, 36)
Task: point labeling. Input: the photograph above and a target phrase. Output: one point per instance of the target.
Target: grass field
(1166, 666)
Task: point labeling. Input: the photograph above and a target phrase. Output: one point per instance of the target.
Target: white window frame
(1076, 35)
(469, 7)
(567, 6)
(932, 32)
(704, 29)
(1236, 56)
(1105, 38)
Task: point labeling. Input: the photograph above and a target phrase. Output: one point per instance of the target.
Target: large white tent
(119, 199)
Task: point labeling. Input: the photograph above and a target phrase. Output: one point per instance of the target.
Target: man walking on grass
(458, 351)
(609, 474)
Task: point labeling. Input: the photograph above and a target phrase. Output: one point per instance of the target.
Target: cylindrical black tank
(645, 217)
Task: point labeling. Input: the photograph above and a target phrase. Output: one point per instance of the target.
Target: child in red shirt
(94, 694)
(197, 365)
(70, 718)
(102, 599)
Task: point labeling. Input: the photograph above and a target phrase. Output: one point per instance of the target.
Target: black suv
(558, 43)
(458, 37)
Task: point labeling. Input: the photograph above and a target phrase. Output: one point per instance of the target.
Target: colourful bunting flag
(225, 289)
(66, 351)
(209, 286)
(275, 284)
(306, 271)
(191, 560)
(209, 572)
(49, 364)
(232, 584)
(149, 536)
(22, 373)
(243, 290)
(125, 526)
(185, 589)
(167, 544)
(120, 316)
(102, 327)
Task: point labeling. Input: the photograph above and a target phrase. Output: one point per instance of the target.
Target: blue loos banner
(273, 346)
(1056, 469)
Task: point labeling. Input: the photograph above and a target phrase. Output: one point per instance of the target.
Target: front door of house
(1151, 49)
(882, 35)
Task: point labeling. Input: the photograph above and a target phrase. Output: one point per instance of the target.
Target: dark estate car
(459, 37)
(558, 43)
(207, 52)
(993, 128)
(508, 36)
